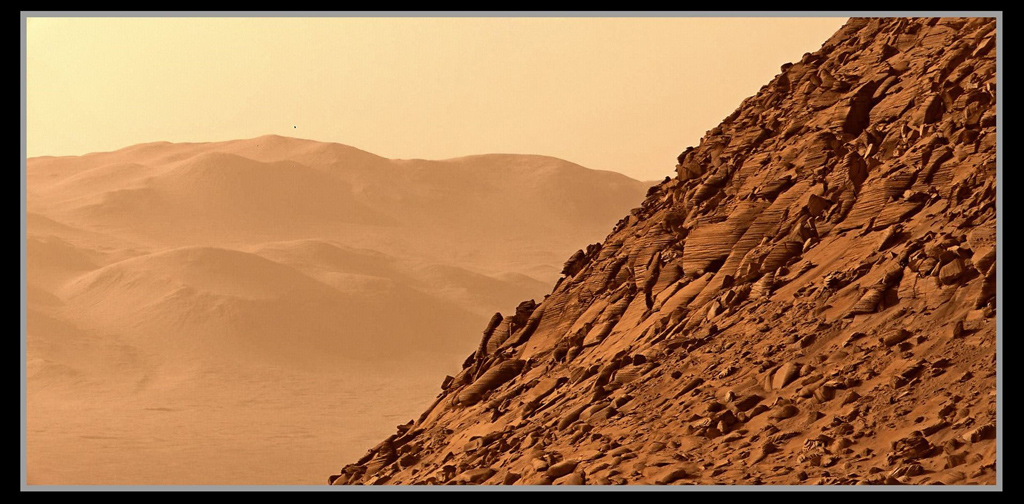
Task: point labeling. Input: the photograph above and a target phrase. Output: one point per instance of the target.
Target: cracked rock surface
(811, 300)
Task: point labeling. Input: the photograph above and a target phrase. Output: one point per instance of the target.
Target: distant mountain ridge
(198, 274)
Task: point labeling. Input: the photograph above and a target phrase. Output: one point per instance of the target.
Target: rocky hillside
(811, 300)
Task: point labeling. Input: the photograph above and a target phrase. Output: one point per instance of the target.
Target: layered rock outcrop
(810, 300)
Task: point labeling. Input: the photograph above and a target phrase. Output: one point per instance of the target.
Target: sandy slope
(198, 312)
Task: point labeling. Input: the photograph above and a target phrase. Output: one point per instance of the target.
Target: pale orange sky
(621, 94)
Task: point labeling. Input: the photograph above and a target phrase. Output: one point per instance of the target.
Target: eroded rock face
(810, 300)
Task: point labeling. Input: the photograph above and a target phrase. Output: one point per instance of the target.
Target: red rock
(561, 469)
(951, 272)
(670, 474)
(477, 476)
(896, 336)
(785, 375)
(873, 157)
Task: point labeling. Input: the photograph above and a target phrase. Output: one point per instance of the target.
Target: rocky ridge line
(810, 300)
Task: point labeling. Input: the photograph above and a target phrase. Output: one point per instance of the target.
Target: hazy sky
(622, 94)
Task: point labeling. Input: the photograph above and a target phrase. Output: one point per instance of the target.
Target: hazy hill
(187, 277)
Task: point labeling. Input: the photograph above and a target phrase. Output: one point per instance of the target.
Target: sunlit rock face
(811, 300)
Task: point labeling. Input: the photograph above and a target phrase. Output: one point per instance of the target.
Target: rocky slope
(810, 300)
